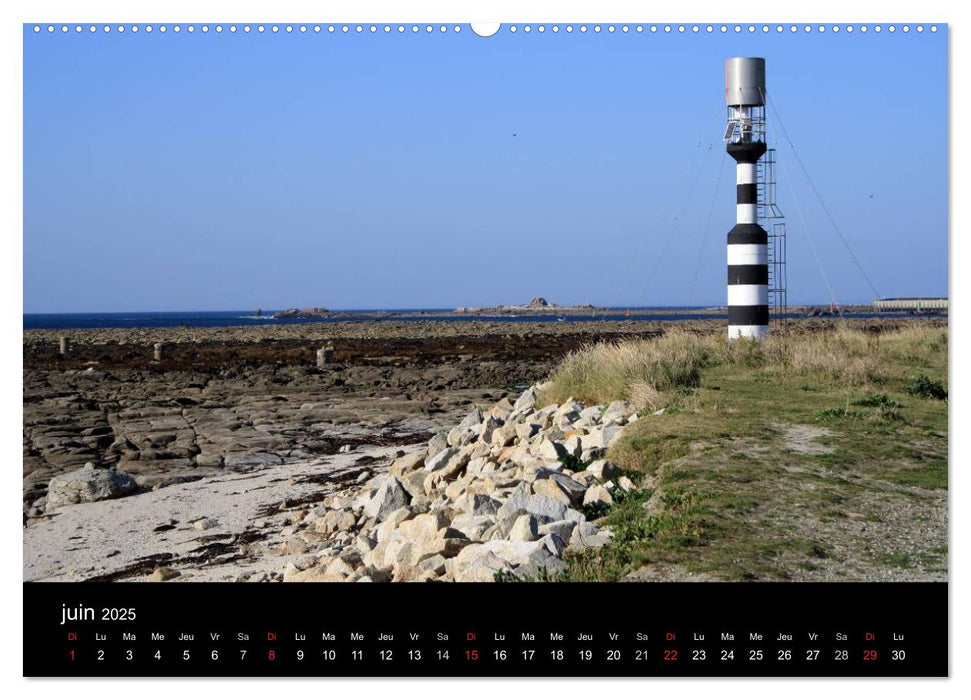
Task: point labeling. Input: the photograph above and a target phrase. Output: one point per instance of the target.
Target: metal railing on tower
(771, 218)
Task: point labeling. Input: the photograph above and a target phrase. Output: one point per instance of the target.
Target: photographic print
(530, 306)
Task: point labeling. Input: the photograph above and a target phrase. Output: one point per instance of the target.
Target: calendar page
(610, 349)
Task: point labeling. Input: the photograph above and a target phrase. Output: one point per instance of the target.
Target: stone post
(325, 356)
(65, 345)
(158, 352)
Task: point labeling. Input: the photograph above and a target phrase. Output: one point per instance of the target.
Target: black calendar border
(918, 611)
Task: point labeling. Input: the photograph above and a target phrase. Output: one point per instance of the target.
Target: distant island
(311, 312)
(539, 306)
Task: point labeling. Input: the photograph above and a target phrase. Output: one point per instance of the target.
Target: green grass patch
(927, 388)
(902, 561)
(774, 455)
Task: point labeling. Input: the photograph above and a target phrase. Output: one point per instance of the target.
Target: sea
(203, 319)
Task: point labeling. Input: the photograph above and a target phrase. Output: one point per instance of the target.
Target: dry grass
(645, 395)
(846, 356)
(641, 371)
(916, 343)
(636, 370)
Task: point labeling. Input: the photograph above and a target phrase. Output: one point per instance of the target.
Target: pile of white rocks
(491, 496)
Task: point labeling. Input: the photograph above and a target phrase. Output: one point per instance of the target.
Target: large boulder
(589, 536)
(88, 485)
(561, 528)
(597, 496)
(481, 504)
(618, 412)
(440, 459)
(423, 528)
(475, 563)
(525, 403)
(388, 498)
(438, 443)
(407, 463)
(603, 470)
(523, 500)
(524, 529)
(559, 487)
(550, 450)
(474, 526)
(526, 559)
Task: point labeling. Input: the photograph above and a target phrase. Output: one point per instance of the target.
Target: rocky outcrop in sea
(309, 312)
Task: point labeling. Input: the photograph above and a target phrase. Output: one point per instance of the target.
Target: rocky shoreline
(240, 398)
(246, 398)
(168, 427)
(250, 406)
(503, 495)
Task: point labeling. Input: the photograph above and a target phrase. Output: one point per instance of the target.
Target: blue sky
(180, 172)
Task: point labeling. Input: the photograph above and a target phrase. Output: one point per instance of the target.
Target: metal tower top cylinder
(745, 82)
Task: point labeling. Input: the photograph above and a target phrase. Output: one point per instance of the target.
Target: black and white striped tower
(748, 263)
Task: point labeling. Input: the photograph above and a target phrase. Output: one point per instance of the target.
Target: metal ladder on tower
(771, 218)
